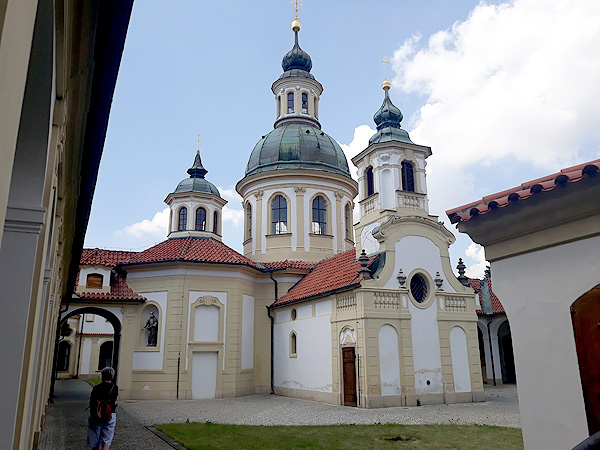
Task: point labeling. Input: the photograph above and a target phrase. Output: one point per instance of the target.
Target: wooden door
(349, 374)
(586, 327)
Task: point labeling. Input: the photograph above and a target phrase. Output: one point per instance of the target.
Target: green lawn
(93, 381)
(209, 436)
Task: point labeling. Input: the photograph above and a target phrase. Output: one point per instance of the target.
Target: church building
(317, 307)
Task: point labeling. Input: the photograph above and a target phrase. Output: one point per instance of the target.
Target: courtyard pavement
(65, 424)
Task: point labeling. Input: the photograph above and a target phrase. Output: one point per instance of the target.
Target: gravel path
(500, 408)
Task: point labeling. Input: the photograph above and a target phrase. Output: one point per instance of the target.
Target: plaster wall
(460, 360)
(537, 289)
(389, 361)
(311, 369)
(247, 332)
(426, 349)
(86, 356)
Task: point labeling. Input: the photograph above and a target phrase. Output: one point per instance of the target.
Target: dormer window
(200, 219)
(182, 225)
(408, 177)
(370, 183)
(290, 103)
(94, 281)
(304, 103)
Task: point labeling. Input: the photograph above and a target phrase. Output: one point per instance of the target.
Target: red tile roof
(524, 191)
(339, 272)
(119, 291)
(192, 249)
(100, 257)
(287, 264)
(497, 307)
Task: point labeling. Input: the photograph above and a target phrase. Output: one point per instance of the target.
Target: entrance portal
(507, 358)
(349, 375)
(585, 314)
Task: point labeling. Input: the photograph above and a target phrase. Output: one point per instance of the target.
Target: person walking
(102, 420)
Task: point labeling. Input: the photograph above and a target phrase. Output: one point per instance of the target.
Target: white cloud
(234, 216)
(360, 141)
(514, 83)
(475, 252)
(157, 226)
(230, 195)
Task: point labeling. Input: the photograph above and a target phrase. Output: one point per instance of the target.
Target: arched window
(370, 183)
(248, 221)
(182, 225)
(216, 222)
(348, 221)
(278, 106)
(94, 281)
(290, 102)
(316, 111)
(408, 177)
(293, 344)
(319, 214)
(64, 352)
(200, 219)
(105, 358)
(304, 104)
(279, 212)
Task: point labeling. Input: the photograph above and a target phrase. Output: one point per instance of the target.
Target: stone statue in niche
(152, 327)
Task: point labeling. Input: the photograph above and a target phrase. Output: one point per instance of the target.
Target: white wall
(204, 374)
(389, 361)
(152, 359)
(537, 290)
(247, 332)
(195, 295)
(312, 368)
(460, 360)
(426, 349)
(206, 323)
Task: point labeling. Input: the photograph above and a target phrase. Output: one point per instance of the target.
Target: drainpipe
(80, 342)
(491, 350)
(272, 335)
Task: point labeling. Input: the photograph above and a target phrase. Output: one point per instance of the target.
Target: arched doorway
(64, 353)
(105, 359)
(585, 312)
(116, 343)
(505, 348)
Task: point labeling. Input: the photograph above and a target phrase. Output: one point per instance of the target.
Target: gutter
(272, 319)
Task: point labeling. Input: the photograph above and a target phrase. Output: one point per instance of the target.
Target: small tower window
(94, 281)
(408, 177)
(290, 102)
(293, 345)
(304, 104)
(279, 220)
(182, 225)
(248, 221)
(279, 106)
(200, 219)
(348, 219)
(370, 183)
(316, 110)
(216, 222)
(319, 213)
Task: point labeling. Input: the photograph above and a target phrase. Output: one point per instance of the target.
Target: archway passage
(507, 358)
(105, 358)
(585, 314)
(114, 321)
(64, 353)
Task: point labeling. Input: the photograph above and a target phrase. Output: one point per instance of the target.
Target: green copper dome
(388, 119)
(196, 181)
(297, 146)
(296, 63)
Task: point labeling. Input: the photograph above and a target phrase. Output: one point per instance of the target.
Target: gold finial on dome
(386, 84)
(296, 23)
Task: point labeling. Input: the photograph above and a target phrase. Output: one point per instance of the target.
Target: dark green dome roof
(388, 119)
(296, 62)
(297, 146)
(196, 181)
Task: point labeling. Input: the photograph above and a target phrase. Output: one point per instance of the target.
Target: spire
(197, 170)
(388, 119)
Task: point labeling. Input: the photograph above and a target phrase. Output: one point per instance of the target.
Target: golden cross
(384, 61)
(296, 3)
(198, 142)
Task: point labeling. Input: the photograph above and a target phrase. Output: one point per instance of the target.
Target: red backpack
(101, 411)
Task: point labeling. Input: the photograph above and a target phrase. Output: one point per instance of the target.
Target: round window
(418, 288)
(294, 314)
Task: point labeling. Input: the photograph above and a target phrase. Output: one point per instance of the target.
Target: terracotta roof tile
(287, 264)
(192, 249)
(524, 191)
(329, 275)
(497, 307)
(119, 291)
(100, 257)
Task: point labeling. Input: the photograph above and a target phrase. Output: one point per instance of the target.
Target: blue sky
(503, 92)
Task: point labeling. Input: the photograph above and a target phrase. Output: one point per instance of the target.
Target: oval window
(418, 288)
(294, 314)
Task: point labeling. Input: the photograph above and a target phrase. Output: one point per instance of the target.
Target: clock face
(367, 241)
